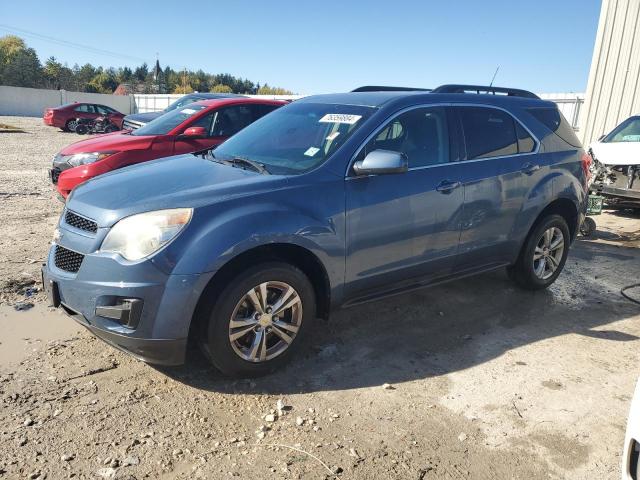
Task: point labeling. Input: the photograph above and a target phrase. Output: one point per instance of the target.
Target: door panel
(497, 177)
(403, 228)
(400, 228)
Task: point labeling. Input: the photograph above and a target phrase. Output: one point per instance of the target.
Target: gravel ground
(474, 379)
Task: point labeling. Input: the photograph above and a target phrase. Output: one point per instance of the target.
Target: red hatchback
(194, 128)
(65, 116)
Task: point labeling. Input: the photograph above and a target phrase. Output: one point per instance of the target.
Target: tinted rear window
(488, 132)
(554, 121)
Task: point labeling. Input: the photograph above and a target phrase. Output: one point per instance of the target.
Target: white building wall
(613, 91)
(31, 102)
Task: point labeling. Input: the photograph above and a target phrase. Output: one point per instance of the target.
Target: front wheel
(81, 129)
(259, 319)
(543, 255)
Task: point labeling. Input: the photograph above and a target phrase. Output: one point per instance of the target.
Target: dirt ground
(473, 379)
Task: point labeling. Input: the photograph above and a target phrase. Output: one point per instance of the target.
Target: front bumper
(150, 350)
(167, 301)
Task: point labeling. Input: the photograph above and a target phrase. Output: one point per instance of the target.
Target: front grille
(79, 222)
(131, 125)
(67, 260)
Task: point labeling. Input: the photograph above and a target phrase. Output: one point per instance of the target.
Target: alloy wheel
(548, 253)
(71, 125)
(265, 321)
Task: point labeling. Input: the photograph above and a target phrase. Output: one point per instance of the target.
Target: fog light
(126, 311)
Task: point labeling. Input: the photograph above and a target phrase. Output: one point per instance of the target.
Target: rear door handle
(530, 168)
(447, 186)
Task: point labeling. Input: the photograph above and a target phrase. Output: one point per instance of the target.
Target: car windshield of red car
(167, 122)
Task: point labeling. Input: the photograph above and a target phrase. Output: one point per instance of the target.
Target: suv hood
(616, 153)
(144, 117)
(111, 141)
(172, 182)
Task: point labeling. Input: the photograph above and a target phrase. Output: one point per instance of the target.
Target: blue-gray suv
(331, 201)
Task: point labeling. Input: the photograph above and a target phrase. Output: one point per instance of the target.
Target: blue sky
(318, 47)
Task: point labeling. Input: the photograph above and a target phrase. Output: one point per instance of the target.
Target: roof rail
(511, 92)
(378, 88)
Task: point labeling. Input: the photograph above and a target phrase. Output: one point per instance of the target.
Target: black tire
(111, 129)
(523, 273)
(588, 227)
(215, 319)
(82, 129)
(70, 126)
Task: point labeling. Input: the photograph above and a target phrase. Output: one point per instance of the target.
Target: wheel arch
(564, 207)
(293, 254)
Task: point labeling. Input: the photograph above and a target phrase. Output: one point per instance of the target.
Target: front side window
(421, 134)
(488, 132)
(295, 138)
(167, 122)
(231, 120)
(627, 131)
(204, 122)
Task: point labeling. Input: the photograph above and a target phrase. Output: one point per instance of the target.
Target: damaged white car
(616, 165)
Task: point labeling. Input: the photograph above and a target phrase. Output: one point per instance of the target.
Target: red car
(196, 127)
(64, 116)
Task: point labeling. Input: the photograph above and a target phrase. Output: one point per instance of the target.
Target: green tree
(21, 69)
(267, 90)
(104, 82)
(141, 72)
(219, 88)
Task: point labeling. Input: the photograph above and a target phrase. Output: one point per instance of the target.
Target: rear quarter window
(555, 121)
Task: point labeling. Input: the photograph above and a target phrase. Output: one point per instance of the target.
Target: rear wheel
(258, 319)
(543, 255)
(588, 227)
(71, 125)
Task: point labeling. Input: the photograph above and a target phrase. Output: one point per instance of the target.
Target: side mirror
(380, 162)
(194, 132)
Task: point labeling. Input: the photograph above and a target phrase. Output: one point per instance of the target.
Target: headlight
(141, 235)
(84, 158)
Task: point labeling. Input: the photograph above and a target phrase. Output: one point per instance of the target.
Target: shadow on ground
(446, 328)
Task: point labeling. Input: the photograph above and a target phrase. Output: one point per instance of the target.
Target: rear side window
(488, 132)
(526, 143)
(554, 121)
(85, 108)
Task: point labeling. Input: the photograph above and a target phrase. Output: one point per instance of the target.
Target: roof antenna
(494, 76)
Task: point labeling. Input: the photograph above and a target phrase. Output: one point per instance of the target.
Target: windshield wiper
(239, 162)
(245, 162)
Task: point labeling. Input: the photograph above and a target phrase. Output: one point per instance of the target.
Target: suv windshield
(167, 122)
(295, 138)
(181, 102)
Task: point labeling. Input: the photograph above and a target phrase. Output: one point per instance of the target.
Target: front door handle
(530, 168)
(447, 186)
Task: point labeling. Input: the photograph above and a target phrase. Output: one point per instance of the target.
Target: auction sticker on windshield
(340, 118)
(188, 111)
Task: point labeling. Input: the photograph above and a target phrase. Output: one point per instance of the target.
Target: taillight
(586, 165)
